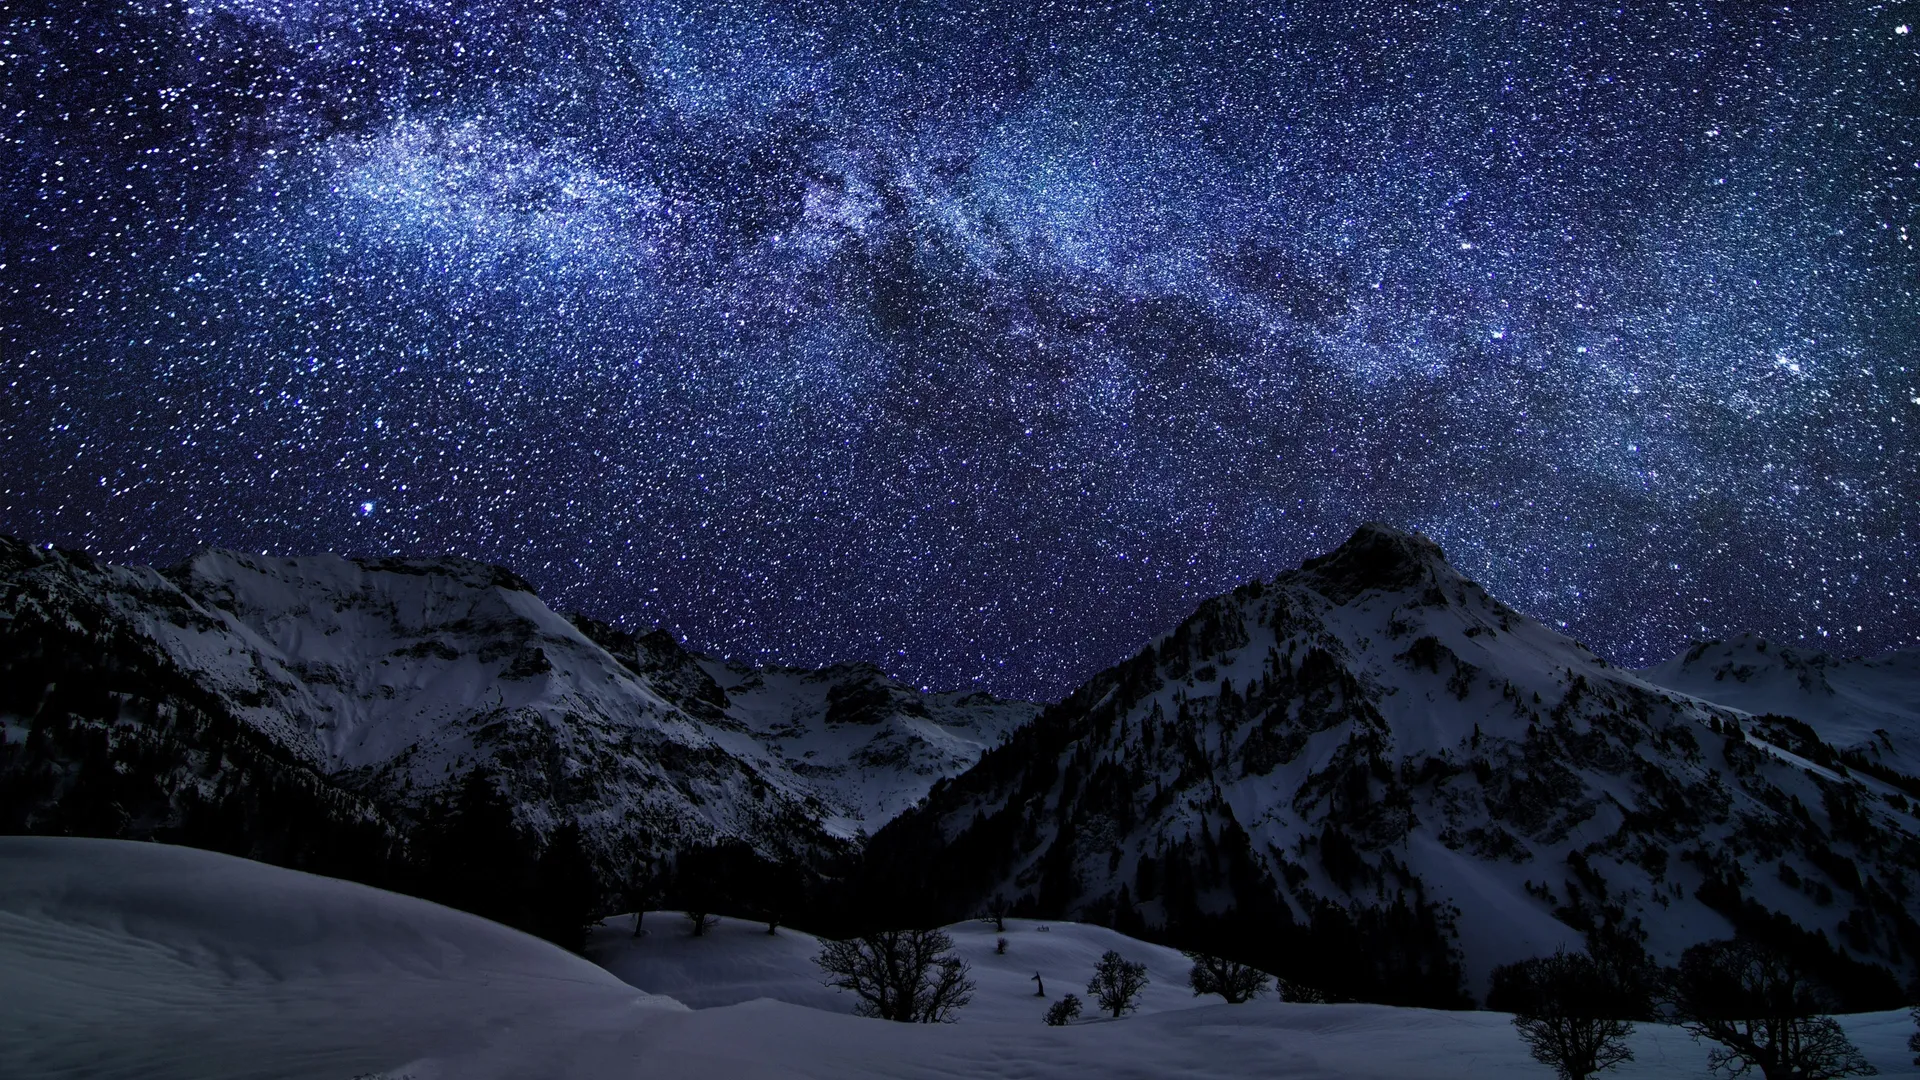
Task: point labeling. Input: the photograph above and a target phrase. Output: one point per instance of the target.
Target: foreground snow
(132, 960)
(756, 998)
(122, 959)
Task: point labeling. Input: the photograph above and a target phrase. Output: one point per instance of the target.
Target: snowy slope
(1870, 704)
(1268, 1040)
(738, 961)
(145, 961)
(133, 960)
(397, 678)
(1370, 748)
(758, 997)
(1375, 735)
(868, 745)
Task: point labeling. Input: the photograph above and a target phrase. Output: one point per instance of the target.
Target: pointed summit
(1378, 556)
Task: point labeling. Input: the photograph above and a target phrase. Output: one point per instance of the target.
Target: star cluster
(980, 339)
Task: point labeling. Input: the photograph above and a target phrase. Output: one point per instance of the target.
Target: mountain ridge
(1405, 779)
(397, 678)
(1371, 749)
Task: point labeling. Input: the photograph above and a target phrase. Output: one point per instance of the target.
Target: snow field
(120, 959)
(759, 998)
(737, 961)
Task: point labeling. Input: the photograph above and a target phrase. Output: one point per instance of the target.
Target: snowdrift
(121, 959)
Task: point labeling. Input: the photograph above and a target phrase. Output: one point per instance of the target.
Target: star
(981, 345)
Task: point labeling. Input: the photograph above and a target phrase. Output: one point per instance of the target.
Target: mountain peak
(1377, 556)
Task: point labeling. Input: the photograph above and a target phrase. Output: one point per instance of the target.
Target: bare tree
(702, 922)
(1063, 1012)
(997, 914)
(1758, 1004)
(1230, 979)
(1913, 1040)
(1117, 983)
(1571, 1013)
(911, 976)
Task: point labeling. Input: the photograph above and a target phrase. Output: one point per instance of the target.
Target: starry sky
(980, 339)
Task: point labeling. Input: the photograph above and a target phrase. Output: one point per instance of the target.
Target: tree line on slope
(121, 743)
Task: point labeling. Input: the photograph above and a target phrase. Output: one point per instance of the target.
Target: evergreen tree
(564, 897)
(639, 895)
(477, 858)
(777, 888)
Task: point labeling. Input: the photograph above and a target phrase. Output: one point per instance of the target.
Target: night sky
(980, 340)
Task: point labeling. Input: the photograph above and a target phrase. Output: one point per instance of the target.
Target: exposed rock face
(1378, 557)
(1373, 748)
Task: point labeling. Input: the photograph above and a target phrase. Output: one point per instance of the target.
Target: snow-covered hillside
(1866, 704)
(738, 961)
(153, 962)
(1384, 772)
(396, 678)
(149, 962)
(868, 745)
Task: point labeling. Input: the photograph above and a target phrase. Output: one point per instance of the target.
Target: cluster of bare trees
(1754, 1003)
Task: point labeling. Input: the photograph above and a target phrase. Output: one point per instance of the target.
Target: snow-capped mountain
(1868, 705)
(1385, 780)
(1366, 774)
(867, 744)
(389, 681)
